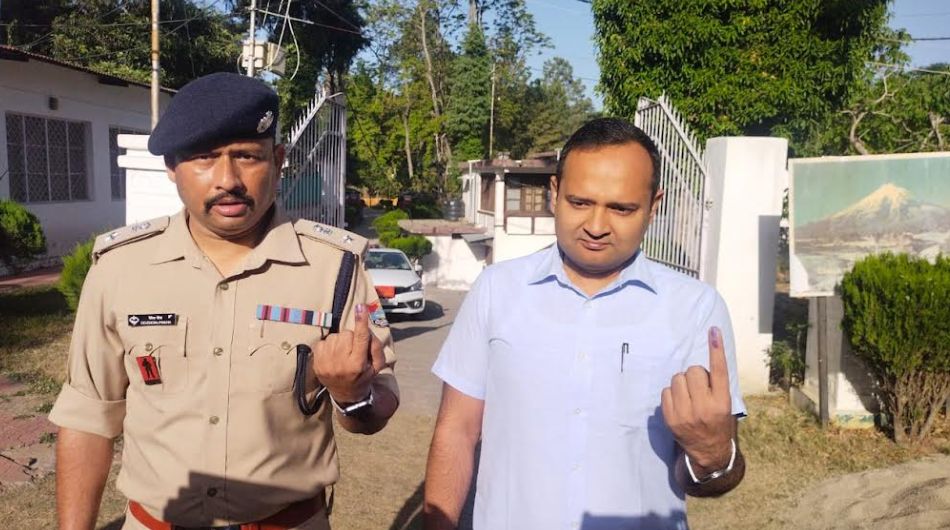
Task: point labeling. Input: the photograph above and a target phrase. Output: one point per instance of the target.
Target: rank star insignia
(112, 236)
(347, 239)
(266, 120)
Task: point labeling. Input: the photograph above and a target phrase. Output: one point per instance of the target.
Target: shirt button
(583, 355)
(576, 467)
(213, 420)
(223, 287)
(577, 412)
(285, 345)
(218, 351)
(148, 346)
(212, 492)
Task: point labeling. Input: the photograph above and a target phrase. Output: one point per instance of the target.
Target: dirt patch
(907, 496)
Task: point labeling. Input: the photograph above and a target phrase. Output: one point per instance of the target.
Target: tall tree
(467, 113)
(737, 67)
(112, 36)
(561, 106)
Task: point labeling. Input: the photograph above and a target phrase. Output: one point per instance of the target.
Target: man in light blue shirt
(602, 385)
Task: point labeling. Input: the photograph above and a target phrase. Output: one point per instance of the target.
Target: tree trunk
(853, 136)
(430, 77)
(405, 125)
(936, 121)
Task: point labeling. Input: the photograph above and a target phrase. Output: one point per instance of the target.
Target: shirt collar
(280, 243)
(636, 272)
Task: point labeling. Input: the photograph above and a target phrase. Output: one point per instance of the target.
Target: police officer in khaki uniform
(186, 340)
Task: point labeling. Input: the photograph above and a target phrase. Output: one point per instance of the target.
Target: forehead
(610, 167)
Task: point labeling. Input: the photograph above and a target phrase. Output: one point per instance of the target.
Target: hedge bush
(897, 317)
(414, 246)
(21, 235)
(387, 226)
(75, 267)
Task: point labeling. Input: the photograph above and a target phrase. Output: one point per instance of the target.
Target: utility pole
(491, 120)
(253, 57)
(155, 63)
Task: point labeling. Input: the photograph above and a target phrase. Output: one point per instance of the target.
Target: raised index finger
(718, 369)
(361, 333)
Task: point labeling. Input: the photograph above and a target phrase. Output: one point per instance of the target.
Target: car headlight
(416, 286)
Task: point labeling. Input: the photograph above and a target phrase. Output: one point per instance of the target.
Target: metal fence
(676, 236)
(314, 172)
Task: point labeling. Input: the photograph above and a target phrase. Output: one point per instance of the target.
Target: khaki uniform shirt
(220, 439)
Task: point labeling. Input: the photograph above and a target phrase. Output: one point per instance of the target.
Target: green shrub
(897, 317)
(21, 235)
(387, 226)
(75, 267)
(414, 246)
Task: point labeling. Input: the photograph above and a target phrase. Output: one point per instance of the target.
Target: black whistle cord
(341, 293)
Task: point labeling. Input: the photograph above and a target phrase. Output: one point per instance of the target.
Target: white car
(397, 281)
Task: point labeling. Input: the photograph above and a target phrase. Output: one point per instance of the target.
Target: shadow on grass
(32, 301)
(30, 318)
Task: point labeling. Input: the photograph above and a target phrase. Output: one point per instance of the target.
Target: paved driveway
(418, 340)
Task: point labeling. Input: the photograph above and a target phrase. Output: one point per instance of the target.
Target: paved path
(418, 341)
(30, 279)
(26, 449)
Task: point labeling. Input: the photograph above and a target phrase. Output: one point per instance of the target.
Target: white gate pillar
(746, 180)
(148, 192)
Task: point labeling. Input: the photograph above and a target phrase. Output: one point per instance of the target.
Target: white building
(507, 215)
(58, 144)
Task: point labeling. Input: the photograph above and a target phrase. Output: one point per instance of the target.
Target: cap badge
(265, 122)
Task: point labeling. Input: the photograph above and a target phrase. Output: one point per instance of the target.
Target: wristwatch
(715, 474)
(355, 409)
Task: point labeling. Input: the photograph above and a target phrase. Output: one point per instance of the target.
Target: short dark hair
(602, 132)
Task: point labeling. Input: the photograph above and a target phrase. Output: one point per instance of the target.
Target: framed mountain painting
(844, 208)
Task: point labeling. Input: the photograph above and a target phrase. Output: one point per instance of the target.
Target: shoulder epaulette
(335, 237)
(128, 234)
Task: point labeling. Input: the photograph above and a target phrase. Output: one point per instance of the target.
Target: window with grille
(527, 195)
(118, 173)
(47, 159)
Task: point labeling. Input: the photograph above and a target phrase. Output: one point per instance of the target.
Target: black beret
(215, 108)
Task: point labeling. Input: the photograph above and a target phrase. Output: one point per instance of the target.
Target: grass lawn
(34, 336)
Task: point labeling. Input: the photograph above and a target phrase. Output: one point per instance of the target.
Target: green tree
(467, 113)
(26, 24)
(560, 107)
(737, 67)
(327, 47)
(111, 36)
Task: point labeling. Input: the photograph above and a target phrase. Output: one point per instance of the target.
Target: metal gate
(314, 172)
(676, 237)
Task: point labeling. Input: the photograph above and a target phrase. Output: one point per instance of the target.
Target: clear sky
(570, 25)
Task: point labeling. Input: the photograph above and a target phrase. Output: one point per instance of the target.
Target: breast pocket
(636, 390)
(156, 359)
(270, 362)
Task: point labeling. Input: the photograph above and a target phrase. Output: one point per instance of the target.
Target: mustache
(232, 196)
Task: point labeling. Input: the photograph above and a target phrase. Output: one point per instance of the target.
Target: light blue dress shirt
(573, 436)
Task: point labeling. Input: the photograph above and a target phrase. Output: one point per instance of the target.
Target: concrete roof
(439, 227)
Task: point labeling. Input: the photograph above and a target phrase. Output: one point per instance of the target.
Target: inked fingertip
(715, 337)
